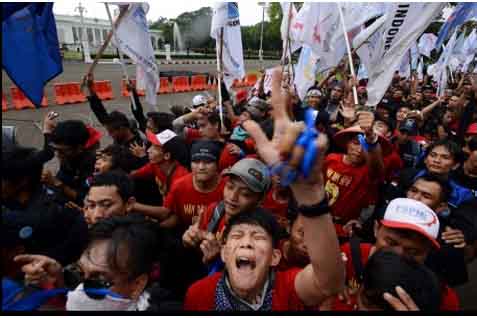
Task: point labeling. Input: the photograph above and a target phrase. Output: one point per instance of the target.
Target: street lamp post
(260, 51)
(84, 43)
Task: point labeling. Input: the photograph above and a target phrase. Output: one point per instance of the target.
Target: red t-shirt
(191, 134)
(392, 165)
(278, 208)
(186, 202)
(449, 298)
(150, 170)
(201, 295)
(207, 216)
(349, 188)
(227, 159)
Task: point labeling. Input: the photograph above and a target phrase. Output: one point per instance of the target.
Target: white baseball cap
(199, 100)
(412, 215)
(161, 138)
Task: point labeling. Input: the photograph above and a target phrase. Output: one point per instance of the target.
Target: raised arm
(373, 155)
(324, 277)
(138, 112)
(94, 102)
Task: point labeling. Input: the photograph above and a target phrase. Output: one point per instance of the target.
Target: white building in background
(70, 30)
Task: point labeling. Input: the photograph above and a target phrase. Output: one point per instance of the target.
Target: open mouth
(245, 263)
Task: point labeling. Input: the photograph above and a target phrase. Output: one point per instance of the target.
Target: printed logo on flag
(233, 11)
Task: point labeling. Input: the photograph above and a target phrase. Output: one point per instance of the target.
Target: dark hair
(385, 270)
(132, 235)
(446, 189)
(178, 150)
(451, 146)
(71, 133)
(259, 217)
(121, 158)
(21, 162)
(114, 178)
(214, 119)
(161, 120)
(117, 120)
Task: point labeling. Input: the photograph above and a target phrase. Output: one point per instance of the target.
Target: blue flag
(30, 49)
(461, 14)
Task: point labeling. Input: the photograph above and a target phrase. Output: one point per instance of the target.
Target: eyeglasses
(73, 276)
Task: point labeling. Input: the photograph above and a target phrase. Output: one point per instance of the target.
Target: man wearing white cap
(408, 228)
(162, 165)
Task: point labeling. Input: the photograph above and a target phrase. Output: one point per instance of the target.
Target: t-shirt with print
(164, 183)
(349, 188)
(449, 299)
(201, 295)
(186, 202)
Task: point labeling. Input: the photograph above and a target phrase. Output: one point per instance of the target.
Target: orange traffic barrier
(164, 87)
(250, 79)
(60, 93)
(125, 92)
(180, 84)
(198, 82)
(68, 93)
(20, 101)
(103, 89)
(75, 93)
(212, 83)
(4, 103)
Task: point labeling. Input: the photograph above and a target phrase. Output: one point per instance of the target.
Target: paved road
(29, 120)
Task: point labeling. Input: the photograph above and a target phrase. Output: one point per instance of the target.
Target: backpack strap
(355, 244)
(219, 212)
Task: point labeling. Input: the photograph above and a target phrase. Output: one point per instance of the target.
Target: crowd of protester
(184, 212)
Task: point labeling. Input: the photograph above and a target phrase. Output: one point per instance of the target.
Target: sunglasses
(93, 287)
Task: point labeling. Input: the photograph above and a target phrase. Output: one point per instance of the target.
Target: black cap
(205, 150)
(409, 126)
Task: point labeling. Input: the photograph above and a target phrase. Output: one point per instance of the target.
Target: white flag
(133, 39)
(385, 49)
(442, 64)
(427, 43)
(469, 49)
(226, 17)
(420, 69)
(362, 73)
(293, 34)
(305, 73)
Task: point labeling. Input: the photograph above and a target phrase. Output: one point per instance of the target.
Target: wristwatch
(315, 210)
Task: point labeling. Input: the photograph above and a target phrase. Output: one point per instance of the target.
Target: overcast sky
(250, 11)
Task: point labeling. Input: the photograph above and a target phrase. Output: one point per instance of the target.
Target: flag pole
(219, 77)
(350, 59)
(121, 59)
(105, 45)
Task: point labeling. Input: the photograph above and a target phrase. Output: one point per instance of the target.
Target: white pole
(348, 48)
(121, 60)
(84, 43)
(219, 77)
(260, 52)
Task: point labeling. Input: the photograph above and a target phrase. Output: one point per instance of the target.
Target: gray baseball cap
(253, 173)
